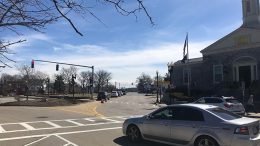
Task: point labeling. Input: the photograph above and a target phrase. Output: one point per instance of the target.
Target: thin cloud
(122, 64)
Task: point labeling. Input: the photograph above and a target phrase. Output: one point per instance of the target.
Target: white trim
(222, 75)
(252, 63)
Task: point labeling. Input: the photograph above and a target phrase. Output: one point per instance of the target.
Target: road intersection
(40, 131)
(91, 124)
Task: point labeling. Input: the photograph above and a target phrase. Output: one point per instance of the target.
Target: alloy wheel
(134, 133)
(206, 142)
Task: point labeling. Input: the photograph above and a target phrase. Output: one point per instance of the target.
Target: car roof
(201, 106)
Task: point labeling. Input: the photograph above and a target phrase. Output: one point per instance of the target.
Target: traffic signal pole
(57, 66)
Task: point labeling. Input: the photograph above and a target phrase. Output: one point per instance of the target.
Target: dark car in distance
(102, 95)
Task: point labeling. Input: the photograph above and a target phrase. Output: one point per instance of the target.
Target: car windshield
(224, 114)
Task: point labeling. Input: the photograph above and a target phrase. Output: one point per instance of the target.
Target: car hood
(243, 121)
(135, 119)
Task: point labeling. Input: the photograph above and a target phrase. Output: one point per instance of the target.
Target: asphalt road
(37, 126)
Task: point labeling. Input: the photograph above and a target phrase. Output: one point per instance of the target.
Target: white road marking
(68, 142)
(27, 126)
(121, 118)
(55, 134)
(66, 127)
(88, 119)
(104, 118)
(37, 140)
(76, 123)
(53, 124)
(109, 120)
(2, 129)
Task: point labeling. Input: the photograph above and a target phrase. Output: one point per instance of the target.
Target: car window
(187, 114)
(164, 113)
(200, 101)
(213, 100)
(232, 101)
(224, 114)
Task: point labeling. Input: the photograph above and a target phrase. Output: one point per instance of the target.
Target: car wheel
(134, 134)
(205, 141)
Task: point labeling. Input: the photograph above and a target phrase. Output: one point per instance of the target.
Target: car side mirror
(149, 117)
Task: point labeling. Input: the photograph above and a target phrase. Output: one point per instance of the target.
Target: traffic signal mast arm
(73, 77)
(63, 63)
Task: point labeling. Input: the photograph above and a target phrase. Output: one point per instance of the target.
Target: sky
(124, 45)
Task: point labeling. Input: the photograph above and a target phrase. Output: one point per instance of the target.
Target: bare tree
(84, 79)
(143, 82)
(32, 79)
(67, 73)
(36, 14)
(101, 79)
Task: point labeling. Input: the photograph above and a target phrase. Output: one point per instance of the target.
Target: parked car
(120, 93)
(114, 94)
(102, 95)
(229, 103)
(194, 124)
(124, 92)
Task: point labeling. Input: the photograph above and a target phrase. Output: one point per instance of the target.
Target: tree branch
(64, 16)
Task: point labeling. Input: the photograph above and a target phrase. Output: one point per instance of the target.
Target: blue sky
(126, 46)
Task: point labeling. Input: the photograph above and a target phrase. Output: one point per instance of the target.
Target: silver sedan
(194, 124)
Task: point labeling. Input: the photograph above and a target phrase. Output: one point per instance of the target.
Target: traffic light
(32, 64)
(57, 67)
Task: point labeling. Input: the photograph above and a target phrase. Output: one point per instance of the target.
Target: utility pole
(157, 93)
(73, 84)
(48, 86)
(92, 82)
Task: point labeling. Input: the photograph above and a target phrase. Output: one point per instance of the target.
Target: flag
(185, 54)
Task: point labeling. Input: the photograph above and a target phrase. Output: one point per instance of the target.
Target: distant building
(228, 63)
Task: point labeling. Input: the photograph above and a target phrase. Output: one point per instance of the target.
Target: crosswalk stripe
(104, 118)
(121, 118)
(91, 120)
(52, 124)
(76, 123)
(2, 129)
(27, 126)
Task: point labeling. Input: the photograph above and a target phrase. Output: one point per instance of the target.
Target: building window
(186, 76)
(217, 73)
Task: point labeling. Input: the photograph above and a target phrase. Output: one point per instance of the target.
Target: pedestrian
(250, 104)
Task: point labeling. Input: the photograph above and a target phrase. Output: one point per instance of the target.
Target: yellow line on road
(89, 109)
